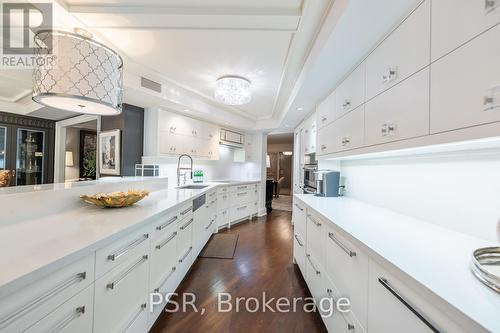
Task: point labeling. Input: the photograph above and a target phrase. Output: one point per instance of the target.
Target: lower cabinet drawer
(347, 266)
(314, 277)
(393, 306)
(239, 212)
(167, 285)
(223, 201)
(315, 237)
(299, 252)
(25, 307)
(299, 217)
(184, 235)
(242, 197)
(163, 256)
(74, 316)
(121, 250)
(121, 297)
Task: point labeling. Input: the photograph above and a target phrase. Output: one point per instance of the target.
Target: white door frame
(60, 143)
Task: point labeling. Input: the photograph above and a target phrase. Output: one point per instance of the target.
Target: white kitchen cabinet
(241, 211)
(223, 218)
(162, 253)
(171, 143)
(299, 218)
(343, 134)
(314, 276)
(387, 311)
(308, 135)
(299, 251)
(347, 267)
(74, 316)
(185, 243)
(297, 163)
(24, 308)
(465, 85)
(121, 296)
(402, 53)
(315, 235)
(350, 93)
(454, 22)
(399, 113)
(113, 255)
(325, 112)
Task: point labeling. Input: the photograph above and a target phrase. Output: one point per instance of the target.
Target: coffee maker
(327, 183)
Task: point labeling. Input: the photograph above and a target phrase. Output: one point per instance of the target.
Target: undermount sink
(192, 187)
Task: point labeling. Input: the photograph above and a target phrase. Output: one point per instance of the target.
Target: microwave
(310, 168)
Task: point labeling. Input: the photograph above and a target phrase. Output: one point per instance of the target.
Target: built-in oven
(309, 168)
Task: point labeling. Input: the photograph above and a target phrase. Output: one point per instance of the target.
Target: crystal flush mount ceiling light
(85, 76)
(233, 90)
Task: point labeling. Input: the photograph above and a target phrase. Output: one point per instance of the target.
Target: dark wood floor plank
(262, 263)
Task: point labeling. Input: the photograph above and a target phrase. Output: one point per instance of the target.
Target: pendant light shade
(85, 76)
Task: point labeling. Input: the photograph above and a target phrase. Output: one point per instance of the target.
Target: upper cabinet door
(325, 111)
(403, 53)
(351, 92)
(455, 22)
(465, 85)
(399, 113)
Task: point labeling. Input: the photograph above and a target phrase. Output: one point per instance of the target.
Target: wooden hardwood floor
(262, 263)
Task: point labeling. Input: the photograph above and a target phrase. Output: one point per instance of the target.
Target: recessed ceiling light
(300, 109)
(233, 90)
(186, 110)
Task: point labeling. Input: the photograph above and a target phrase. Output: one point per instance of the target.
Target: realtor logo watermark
(20, 23)
(186, 302)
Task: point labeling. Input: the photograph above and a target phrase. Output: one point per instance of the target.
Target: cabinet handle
(241, 187)
(342, 246)
(169, 222)
(388, 129)
(134, 318)
(323, 147)
(347, 104)
(187, 224)
(66, 321)
(298, 240)
(185, 255)
(210, 224)
(165, 242)
(350, 327)
(323, 119)
(128, 247)
(390, 75)
(491, 5)
(157, 290)
(184, 212)
(318, 224)
(489, 99)
(384, 282)
(301, 209)
(242, 193)
(346, 141)
(240, 208)
(308, 256)
(114, 284)
(77, 278)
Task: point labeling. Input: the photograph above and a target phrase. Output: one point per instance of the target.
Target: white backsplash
(460, 191)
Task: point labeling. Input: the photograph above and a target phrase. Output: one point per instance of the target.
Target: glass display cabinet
(3, 144)
(30, 156)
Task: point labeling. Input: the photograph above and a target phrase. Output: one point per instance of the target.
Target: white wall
(73, 145)
(460, 191)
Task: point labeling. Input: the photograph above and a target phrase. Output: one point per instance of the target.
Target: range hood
(231, 138)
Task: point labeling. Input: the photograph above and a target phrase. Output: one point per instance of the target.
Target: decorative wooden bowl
(115, 199)
(6, 177)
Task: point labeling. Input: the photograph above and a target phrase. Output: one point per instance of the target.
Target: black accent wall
(131, 124)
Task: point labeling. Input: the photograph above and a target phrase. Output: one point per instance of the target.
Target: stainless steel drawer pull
(184, 212)
(341, 245)
(314, 221)
(127, 248)
(166, 241)
(350, 327)
(187, 224)
(135, 317)
(383, 281)
(308, 256)
(208, 226)
(300, 208)
(114, 284)
(241, 187)
(77, 278)
(185, 255)
(66, 321)
(242, 193)
(172, 271)
(169, 222)
(241, 208)
(298, 240)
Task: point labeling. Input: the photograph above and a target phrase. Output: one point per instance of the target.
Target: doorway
(280, 169)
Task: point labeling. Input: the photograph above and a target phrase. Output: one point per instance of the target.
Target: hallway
(262, 263)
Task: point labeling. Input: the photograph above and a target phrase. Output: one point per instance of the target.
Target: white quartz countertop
(436, 257)
(49, 242)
